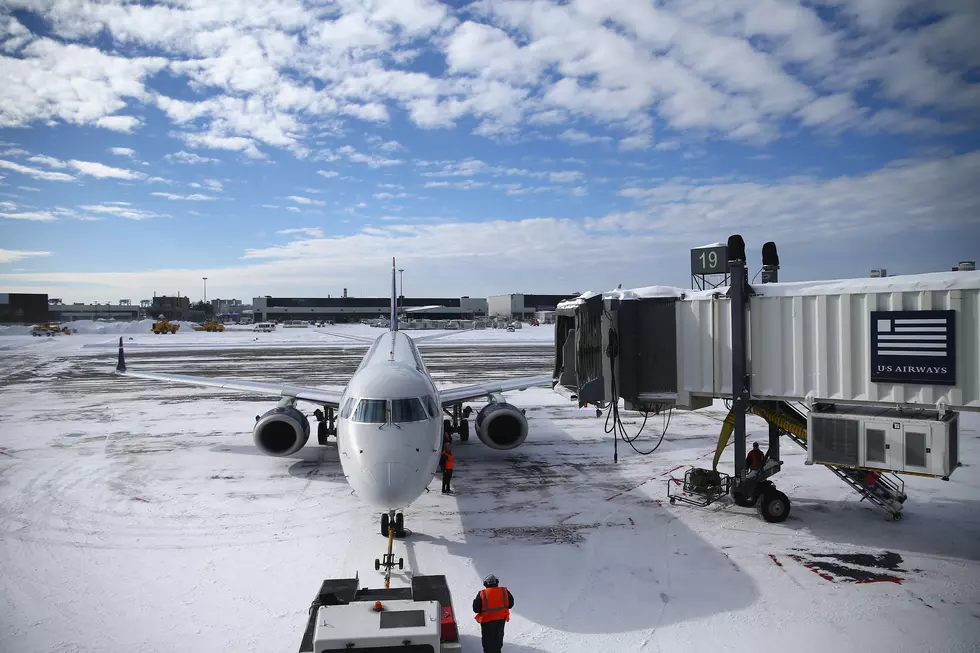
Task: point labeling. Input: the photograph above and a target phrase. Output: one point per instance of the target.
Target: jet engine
(501, 426)
(281, 432)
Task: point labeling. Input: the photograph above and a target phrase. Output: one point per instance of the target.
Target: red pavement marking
(778, 563)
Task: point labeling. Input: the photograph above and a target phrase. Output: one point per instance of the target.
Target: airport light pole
(205, 289)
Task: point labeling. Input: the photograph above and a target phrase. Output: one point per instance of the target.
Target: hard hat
(490, 581)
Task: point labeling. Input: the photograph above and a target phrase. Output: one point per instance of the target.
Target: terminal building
(524, 307)
(355, 309)
(61, 312)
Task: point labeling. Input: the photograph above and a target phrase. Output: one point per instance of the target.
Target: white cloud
(122, 210)
(309, 232)
(327, 173)
(910, 197)
(281, 74)
(71, 83)
(13, 151)
(392, 186)
(578, 136)
(34, 172)
(390, 196)
(123, 151)
(370, 160)
(294, 209)
(220, 142)
(196, 197)
(188, 157)
(210, 184)
(34, 216)
(30, 189)
(118, 123)
(305, 200)
(12, 255)
(565, 176)
(636, 142)
(50, 161)
(101, 171)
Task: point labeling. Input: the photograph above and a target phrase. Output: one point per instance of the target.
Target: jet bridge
(877, 367)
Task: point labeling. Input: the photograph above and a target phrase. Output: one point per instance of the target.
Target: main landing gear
(326, 424)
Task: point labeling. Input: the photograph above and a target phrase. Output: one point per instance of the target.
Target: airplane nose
(387, 483)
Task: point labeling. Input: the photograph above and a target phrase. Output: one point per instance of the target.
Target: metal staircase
(884, 490)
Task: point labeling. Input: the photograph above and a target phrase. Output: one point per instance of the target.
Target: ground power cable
(614, 423)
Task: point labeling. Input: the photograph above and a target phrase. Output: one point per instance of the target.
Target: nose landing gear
(394, 520)
(390, 524)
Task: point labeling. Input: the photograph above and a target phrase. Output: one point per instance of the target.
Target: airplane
(388, 420)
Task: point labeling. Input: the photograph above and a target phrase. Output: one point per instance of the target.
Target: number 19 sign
(710, 259)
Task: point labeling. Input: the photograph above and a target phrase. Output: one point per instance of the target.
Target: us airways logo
(913, 369)
(913, 347)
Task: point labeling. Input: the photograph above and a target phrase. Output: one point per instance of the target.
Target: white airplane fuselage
(389, 425)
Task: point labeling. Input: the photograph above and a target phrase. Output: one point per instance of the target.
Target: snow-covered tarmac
(139, 516)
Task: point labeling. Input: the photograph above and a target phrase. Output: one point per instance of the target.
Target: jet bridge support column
(740, 381)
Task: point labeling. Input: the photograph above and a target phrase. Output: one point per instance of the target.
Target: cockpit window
(407, 410)
(348, 406)
(371, 411)
(430, 405)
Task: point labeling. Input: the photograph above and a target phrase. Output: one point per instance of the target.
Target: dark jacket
(478, 604)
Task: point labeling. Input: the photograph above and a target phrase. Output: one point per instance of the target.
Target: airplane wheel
(774, 506)
(385, 523)
(321, 432)
(401, 563)
(377, 564)
(399, 523)
(464, 430)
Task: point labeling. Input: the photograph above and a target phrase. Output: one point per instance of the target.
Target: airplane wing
(436, 336)
(323, 397)
(361, 340)
(455, 395)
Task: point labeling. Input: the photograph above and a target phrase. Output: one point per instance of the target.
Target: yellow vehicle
(164, 326)
(210, 325)
(49, 329)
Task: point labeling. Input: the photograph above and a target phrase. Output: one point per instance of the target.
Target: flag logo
(913, 347)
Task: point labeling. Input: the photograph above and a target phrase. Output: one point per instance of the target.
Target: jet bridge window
(372, 411)
(407, 410)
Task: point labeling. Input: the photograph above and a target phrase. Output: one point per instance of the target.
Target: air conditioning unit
(921, 442)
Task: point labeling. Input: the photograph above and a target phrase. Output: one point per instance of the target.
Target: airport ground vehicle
(210, 325)
(163, 325)
(345, 617)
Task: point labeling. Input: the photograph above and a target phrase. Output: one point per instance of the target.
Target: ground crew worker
(448, 462)
(756, 458)
(492, 607)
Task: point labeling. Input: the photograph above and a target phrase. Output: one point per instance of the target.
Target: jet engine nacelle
(281, 432)
(501, 426)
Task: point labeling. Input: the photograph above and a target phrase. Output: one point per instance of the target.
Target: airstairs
(887, 491)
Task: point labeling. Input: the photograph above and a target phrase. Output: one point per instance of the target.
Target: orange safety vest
(450, 460)
(493, 602)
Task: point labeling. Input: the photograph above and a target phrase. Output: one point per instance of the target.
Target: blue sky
(292, 148)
